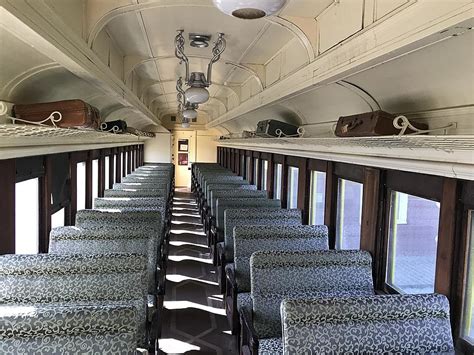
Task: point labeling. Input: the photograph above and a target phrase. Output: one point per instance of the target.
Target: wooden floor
(194, 320)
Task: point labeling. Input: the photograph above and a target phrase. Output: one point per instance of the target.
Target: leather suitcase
(118, 126)
(75, 113)
(268, 128)
(377, 123)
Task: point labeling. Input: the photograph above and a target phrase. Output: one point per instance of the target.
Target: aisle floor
(194, 320)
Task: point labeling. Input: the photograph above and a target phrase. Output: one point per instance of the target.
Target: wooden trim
(349, 172)
(45, 206)
(101, 176)
(284, 184)
(89, 183)
(256, 154)
(317, 165)
(129, 160)
(118, 166)
(124, 162)
(259, 173)
(265, 156)
(270, 177)
(370, 216)
(73, 177)
(330, 210)
(446, 237)
(7, 206)
(109, 184)
(304, 183)
(279, 159)
(421, 185)
(250, 170)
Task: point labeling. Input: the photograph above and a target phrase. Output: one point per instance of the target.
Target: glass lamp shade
(196, 95)
(185, 124)
(190, 114)
(249, 9)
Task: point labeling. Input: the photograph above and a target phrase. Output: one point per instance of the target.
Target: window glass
(468, 311)
(95, 178)
(277, 185)
(412, 243)
(57, 219)
(256, 161)
(264, 174)
(317, 198)
(349, 214)
(81, 185)
(106, 172)
(125, 164)
(293, 187)
(27, 217)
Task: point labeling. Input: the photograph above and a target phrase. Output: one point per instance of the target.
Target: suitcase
(75, 113)
(118, 126)
(268, 128)
(377, 123)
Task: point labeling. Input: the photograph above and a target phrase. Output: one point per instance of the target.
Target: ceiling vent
(249, 9)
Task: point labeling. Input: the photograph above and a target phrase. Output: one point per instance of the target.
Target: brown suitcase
(75, 113)
(377, 123)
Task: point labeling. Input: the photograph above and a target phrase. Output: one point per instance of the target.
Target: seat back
(234, 217)
(75, 240)
(395, 324)
(149, 179)
(220, 190)
(275, 276)
(248, 199)
(161, 192)
(231, 179)
(85, 329)
(252, 238)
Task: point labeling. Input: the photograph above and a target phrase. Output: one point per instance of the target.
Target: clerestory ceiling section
(144, 30)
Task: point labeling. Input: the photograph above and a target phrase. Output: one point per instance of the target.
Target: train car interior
(237, 177)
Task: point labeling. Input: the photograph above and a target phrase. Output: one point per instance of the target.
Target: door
(184, 154)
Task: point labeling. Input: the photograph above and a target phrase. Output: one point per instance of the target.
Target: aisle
(194, 320)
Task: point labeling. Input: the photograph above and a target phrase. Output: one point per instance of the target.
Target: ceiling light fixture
(199, 41)
(186, 110)
(197, 93)
(249, 9)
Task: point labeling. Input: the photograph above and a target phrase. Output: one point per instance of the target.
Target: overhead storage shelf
(412, 153)
(27, 140)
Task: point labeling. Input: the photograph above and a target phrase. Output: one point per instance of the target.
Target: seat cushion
(244, 300)
(270, 346)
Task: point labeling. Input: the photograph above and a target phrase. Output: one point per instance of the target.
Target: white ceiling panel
(128, 35)
(305, 8)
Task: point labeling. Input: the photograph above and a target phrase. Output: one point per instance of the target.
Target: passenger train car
(236, 176)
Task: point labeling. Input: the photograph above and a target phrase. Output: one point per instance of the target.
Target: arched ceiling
(144, 33)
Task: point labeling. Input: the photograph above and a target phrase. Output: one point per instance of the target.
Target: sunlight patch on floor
(180, 244)
(192, 258)
(186, 231)
(181, 278)
(175, 346)
(171, 305)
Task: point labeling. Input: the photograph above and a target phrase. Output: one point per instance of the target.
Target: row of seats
(100, 287)
(287, 293)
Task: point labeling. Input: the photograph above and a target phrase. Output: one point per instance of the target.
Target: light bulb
(249, 9)
(190, 114)
(196, 95)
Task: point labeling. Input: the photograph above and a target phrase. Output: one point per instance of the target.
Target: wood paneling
(330, 211)
(7, 206)
(45, 205)
(89, 183)
(118, 166)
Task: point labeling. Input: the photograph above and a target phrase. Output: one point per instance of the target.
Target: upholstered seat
(163, 192)
(49, 278)
(101, 328)
(270, 346)
(75, 240)
(396, 324)
(244, 299)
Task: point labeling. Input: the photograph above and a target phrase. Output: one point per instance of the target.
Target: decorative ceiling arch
(141, 61)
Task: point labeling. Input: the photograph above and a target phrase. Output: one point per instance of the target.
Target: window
(95, 178)
(27, 217)
(255, 170)
(467, 331)
(125, 164)
(349, 214)
(277, 186)
(264, 174)
(57, 219)
(293, 187)
(317, 198)
(412, 244)
(106, 172)
(81, 185)
(242, 165)
(247, 170)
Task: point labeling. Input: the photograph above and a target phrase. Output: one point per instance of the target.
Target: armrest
(249, 337)
(220, 255)
(231, 286)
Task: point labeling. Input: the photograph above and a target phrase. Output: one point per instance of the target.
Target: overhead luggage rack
(26, 140)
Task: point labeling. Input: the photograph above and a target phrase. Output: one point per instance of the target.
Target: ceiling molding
(10, 87)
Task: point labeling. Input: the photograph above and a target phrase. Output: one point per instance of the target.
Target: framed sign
(182, 158)
(183, 145)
